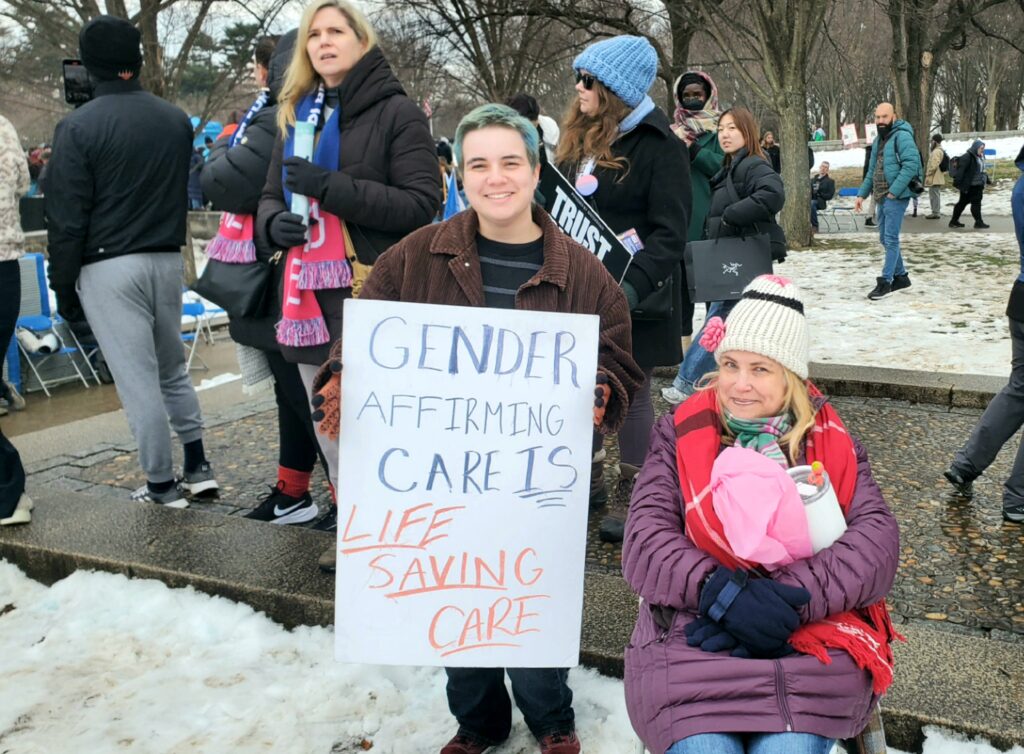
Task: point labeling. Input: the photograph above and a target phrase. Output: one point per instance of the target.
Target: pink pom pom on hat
(767, 320)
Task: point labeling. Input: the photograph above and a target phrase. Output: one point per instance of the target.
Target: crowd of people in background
(376, 182)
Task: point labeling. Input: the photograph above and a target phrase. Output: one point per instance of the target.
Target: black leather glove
(286, 230)
(760, 613)
(303, 177)
(69, 306)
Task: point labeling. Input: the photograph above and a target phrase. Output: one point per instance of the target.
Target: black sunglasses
(587, 79)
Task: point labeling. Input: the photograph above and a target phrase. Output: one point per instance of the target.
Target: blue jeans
(889, 217)
(814, 212)
(697, 362)
(752, 743)
(479, 701)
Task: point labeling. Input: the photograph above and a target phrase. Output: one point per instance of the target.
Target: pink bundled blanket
(760, 509)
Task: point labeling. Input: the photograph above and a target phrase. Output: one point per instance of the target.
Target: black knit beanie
(692, 78)
(110, 48)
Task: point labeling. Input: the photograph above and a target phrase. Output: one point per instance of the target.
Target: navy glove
(286, 230)
(303, 177)
(760, 613)
(711, 637)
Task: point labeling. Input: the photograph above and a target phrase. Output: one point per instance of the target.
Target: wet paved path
(962, 567)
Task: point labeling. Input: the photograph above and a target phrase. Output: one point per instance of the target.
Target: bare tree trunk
(152, 52)
(796, 212)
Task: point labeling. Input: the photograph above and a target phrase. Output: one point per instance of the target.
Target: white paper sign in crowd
(463, 485)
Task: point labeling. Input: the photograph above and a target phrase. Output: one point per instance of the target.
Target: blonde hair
(796, 401)
(301, 79)
(585, 136)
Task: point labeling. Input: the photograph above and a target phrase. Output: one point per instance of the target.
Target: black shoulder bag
(718, 269)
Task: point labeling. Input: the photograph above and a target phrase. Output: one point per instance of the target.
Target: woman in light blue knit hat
(619, 149)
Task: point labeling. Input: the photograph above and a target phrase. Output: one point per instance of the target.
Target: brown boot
(328, 560)
(598, 489)
(613, 528)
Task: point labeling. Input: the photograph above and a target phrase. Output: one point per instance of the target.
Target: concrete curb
(967, 684)
(942, 388)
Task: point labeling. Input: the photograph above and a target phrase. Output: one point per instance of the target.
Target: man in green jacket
(893, 164)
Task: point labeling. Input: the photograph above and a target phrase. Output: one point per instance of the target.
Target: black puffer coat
(653, 197)
(233, 181)
(387, 184)
(761, 196)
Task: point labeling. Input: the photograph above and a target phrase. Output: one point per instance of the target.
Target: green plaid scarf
(761, 435)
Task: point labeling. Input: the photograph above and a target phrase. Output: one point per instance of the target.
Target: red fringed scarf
(867, 633)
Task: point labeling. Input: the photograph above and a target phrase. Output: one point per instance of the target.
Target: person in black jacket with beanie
(232, 180)
(372, 180)
(117, 207)
(619, 148)
(761, 196)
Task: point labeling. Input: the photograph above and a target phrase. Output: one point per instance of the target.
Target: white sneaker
(22, 513)
(673, 396)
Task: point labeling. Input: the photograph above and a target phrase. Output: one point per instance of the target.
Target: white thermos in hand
(305, 134)
(825, 520)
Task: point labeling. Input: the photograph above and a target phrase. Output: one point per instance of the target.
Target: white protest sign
(463, 485)
(870, 132)
(849, 134)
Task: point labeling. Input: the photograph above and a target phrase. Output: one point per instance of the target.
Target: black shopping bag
(720, 268)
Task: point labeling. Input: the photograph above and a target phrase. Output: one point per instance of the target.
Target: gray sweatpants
(934, 196)
(133, 304)
(1001, 420)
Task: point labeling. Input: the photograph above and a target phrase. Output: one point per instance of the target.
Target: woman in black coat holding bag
(746, 208)
(232, 179)
(372, 180)
(619, 149)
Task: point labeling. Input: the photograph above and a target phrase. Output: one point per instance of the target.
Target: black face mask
(884, 129)
(692, 104)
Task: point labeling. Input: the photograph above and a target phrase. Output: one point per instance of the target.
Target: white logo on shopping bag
(731, 268)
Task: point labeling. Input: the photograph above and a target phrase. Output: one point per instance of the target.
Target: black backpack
(944, 165)
(953, 166)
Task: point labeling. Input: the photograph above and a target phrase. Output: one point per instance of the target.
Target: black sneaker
(1014, 513)
(279, 508)
(963, 485)
(982, 226)
(955, 224)
(329, 522)
(899, 282)
(882, 288)
(870, 222)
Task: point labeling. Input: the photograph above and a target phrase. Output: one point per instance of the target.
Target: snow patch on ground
(100, 663)
(952, 319)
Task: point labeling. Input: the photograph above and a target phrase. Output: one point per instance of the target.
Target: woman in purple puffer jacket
(728, 656)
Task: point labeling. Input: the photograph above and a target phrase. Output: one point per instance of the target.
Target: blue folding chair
(191, 337)
(36, 315)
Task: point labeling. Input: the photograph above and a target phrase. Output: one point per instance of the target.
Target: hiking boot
(329, 522)
(279, 508)
(464, 743)
(624, 487)
(612, 531)
(560, 743)
(13, 397)
(931, 217)
(982, 226)
(598, 489)
(200, 481)
(870, 222)
(899, 282)
(1012, 513)
(173, 498)
(882, 288)
(956, 224)
(22, 513)
(328, 560)
(963, 484)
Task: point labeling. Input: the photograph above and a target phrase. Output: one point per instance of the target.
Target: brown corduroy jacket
(439, 264)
